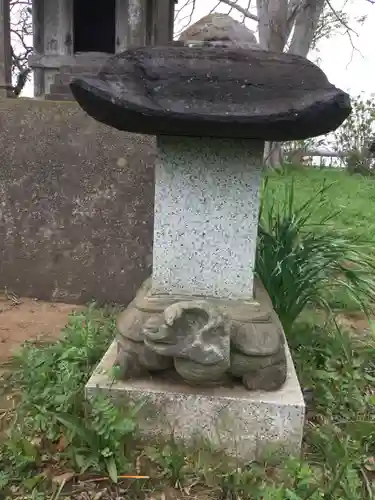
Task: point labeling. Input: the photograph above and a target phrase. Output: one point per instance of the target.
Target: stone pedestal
(200, 343)
(206, 216)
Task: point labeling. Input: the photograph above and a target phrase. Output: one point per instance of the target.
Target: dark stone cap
(213, 92)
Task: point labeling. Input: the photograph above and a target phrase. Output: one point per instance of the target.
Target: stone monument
(201, 343)
(217, 27)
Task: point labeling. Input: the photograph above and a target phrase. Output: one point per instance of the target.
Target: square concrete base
(248, 425)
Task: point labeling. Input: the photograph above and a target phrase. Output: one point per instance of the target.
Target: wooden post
(6, 89)
(38, 44)
(137, 23)
(121, 25)
(163, 21)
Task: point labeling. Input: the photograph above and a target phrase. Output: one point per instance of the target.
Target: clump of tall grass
(302, 260)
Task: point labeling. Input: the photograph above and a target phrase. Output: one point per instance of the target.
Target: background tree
(294, 26)
(356, 136)
(21, 37)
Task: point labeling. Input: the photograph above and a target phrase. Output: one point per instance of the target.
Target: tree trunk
(272, 24)
(276, 21)
(306, 22)
(273, 155)
(273, 34)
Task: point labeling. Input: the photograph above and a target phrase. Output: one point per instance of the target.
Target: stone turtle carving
(203, 345)
(196, 336)
(258, 355)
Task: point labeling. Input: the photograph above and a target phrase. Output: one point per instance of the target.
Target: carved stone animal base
(204, 342)
(248, 425)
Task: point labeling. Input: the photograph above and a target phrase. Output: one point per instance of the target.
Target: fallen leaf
(187, 489)
(37, 442)
(99, 495)
(370, 464)
(63, 478)
(84, 496)
(157, 496)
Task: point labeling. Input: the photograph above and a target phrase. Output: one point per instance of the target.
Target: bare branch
(245, 12)
(216, 6)
(189, 17)
(178, 11)
(248, 9)
(340, 19)
(231, 8)
(21, 38)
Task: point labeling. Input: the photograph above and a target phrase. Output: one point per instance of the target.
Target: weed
(101, 443)
(171, 459)
(339, 366)
(299, 261)
(53, 414)
(350, 200)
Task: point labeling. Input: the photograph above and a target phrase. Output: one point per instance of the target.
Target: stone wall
(76, 204)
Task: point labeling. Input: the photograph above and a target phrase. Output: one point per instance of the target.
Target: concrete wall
(76, 204)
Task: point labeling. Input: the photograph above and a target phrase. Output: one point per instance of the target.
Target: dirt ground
(356, 321)
(24, 319)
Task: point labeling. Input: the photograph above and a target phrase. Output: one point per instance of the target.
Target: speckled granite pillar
(206, 216)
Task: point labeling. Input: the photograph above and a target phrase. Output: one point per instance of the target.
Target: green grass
(305, 262)
(352, 195)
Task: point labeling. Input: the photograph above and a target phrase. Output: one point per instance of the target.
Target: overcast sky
(351, 69)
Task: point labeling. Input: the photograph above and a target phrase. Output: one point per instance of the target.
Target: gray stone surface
(256, 339)
(221, 28)
(137, 359)
(240, 423)
(76, 204)
(241, 364)
(266, 379)
(88, 64)
(206, 216)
